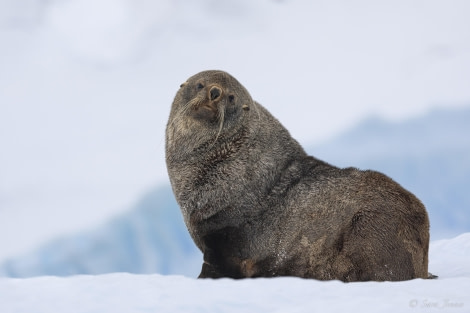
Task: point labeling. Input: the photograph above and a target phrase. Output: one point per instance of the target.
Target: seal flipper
(209, 271)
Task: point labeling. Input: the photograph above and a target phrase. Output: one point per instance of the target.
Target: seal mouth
(206, 105)
(206, 111)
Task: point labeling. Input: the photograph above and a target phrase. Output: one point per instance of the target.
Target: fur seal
(257, 205)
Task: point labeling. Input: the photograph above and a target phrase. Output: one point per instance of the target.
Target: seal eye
(231, 98)
(199, 86)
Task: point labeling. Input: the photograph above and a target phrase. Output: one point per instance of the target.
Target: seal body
(257, 205)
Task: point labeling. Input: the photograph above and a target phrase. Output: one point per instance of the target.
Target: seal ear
(183, 84)
(245, 107)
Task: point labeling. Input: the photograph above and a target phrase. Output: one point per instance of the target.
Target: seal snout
(215, 93)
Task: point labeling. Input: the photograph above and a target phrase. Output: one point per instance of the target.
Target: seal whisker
(221, 118)
(193, 103)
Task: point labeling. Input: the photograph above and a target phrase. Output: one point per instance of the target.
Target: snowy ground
(121, 292)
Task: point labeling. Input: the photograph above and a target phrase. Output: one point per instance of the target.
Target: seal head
(207, 104)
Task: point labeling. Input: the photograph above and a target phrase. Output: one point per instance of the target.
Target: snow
(123, 292)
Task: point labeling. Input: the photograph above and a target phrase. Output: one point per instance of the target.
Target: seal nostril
(215, 93)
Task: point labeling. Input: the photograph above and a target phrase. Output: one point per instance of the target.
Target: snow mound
(121, 292)
(450, 257)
